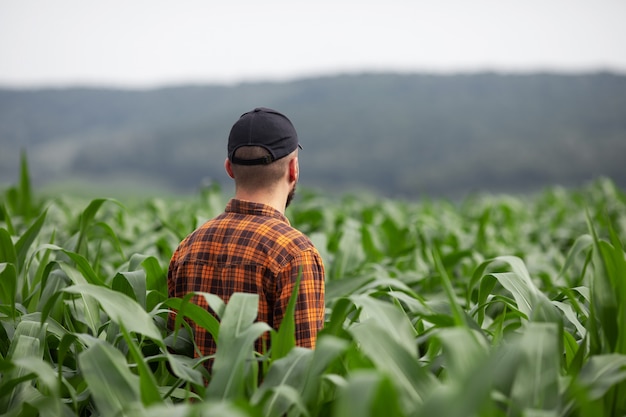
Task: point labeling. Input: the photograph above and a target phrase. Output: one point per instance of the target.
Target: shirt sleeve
(309, 309)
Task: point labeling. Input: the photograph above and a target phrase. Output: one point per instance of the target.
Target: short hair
(258, 176)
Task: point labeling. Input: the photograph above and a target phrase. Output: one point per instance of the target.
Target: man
(251, 247)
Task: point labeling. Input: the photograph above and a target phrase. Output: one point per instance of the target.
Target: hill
(397, 135)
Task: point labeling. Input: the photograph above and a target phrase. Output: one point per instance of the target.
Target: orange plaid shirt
(251, 248)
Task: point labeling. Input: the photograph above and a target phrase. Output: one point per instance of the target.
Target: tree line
(393, 134)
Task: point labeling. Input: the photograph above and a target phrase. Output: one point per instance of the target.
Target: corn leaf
(27, 238)
(368, 394)
(289, 371)
(148, 386)
(199, 315)
(234, 357)
(8, 253)
(113, 387)
(120, 308)
(284, 339)
(8, 287)
(536, 385)
(14, 382)
(394, 360)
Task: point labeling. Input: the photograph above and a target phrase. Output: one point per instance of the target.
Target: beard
(290, 196)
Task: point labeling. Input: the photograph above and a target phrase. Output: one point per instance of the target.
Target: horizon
(305, 77)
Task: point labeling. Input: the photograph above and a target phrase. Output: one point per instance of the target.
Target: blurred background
(397, 98)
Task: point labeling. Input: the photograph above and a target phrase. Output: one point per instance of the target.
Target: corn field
(491, 306)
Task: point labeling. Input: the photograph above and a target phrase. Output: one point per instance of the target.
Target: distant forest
(394, 135)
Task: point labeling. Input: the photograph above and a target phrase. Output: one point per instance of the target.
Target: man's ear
(229, 168)
(294, 170)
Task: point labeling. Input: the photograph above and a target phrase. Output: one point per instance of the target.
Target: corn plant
(493, 306)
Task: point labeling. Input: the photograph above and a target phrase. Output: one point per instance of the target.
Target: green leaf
(8, 252)
(285, 394)
(6, 218)
(536, 383)
(155, 275)
(285, 338)
(148, 386)
(393, 323)
(40, 369)
(184, 368)
(26, 240)
(14, 381)
(113, 387)
(199, 315)
(302, 370)
(372, 244)
(606, 324)
(471, 380)
(462, 349)
(134, 285)
(571, 350)
(581, 244)
(601, 373)
(571, 317)
(84, 267)
(235, 347)
(327, 350)
(30, 329)
(110, 235)
(121, 284)
(289, 371)
(198, 409)
(85, 308)
(523, 293)
(26, 207)
(457, 310)
(350, 252)
(120, 308)
(393, 359)
(87, 217)
(8, 286)
(368, 394)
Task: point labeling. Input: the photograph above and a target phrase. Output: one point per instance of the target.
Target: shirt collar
(254, 209)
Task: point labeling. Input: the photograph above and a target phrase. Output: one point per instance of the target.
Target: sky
(148, 43)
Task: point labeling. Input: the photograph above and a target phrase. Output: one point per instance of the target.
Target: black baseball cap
(263, 127)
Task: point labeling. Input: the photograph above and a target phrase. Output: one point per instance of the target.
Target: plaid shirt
(251, 248)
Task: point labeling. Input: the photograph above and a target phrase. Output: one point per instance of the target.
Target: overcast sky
(155, 42)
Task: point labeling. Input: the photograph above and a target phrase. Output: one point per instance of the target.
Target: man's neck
(275, 200)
